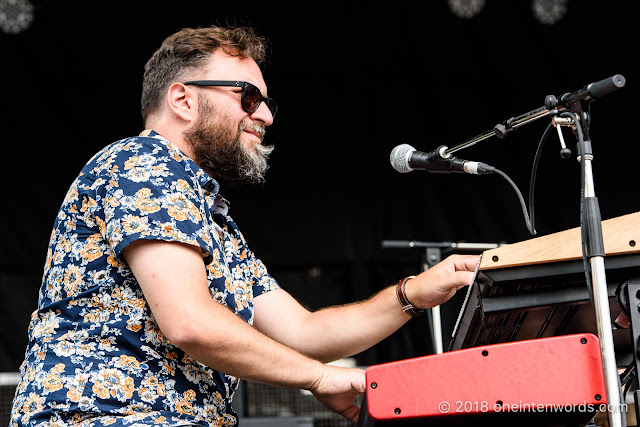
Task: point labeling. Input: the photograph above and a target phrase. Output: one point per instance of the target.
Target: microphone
(404, 158)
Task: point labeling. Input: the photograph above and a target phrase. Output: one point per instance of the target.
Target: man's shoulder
(135, 150)
(143, 143)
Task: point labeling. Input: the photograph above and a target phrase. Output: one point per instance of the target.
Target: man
(152, 305)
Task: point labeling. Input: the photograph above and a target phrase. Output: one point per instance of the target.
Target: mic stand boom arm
(591, 91)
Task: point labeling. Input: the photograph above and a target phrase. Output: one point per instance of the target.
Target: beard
(218, 150)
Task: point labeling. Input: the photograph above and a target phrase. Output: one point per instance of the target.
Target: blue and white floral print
(96, 356)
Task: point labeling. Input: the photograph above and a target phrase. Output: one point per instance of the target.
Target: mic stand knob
(565, 153)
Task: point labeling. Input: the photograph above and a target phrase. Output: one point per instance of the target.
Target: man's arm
(342, 331)
(173, 279)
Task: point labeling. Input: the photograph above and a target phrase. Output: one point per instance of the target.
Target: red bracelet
(407, 307)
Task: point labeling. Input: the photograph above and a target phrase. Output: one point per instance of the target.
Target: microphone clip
(437, 161)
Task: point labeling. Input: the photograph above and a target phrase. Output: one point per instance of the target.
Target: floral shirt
(96, 356)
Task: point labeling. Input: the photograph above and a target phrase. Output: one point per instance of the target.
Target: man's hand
(439, 283)
(337, 388)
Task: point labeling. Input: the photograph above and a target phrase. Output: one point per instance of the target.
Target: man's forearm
(232, 346)
(342, 331)
(346, 330)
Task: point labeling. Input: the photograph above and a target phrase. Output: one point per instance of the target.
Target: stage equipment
(466, 8)
(573, 109)
(589, 92)
(544, 382)
(404, 158)
(433, 254)
(549, 12)
(8, 383)
(536, 289)
(16, 16)
(629, 299)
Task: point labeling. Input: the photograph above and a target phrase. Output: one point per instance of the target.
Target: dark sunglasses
(251, 95)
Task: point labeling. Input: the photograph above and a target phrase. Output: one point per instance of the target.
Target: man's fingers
(352, 413)
(465, 278)
(466, 262)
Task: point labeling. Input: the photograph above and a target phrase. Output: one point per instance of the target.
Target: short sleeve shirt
(96, 356)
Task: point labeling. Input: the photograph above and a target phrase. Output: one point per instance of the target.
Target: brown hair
(189, 49)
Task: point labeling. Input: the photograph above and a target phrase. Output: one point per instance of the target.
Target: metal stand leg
(434, 256)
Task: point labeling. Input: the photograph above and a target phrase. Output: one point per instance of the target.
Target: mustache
(254, 127)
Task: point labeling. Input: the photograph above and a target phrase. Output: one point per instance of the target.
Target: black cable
(534, 171)
(628, 372)
(626, 379)
(519, 194)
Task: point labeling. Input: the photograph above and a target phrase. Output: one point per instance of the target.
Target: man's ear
(183, 101)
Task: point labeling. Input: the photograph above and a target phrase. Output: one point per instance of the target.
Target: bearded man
(152, 305)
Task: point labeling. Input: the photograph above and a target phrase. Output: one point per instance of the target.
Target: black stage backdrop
(353, 80)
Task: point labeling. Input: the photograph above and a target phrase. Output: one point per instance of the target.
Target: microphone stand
(573, 105)
(593, 247)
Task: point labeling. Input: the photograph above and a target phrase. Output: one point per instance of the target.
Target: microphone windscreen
(400, 158)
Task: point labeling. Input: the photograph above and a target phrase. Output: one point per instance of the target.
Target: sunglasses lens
(251, 99)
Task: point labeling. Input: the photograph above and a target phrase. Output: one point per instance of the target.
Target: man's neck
(173, 133)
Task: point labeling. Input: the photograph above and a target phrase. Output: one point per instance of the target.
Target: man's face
(226, 140)
(220, 149)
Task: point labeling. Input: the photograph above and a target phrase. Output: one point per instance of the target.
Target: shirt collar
(206, 181)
